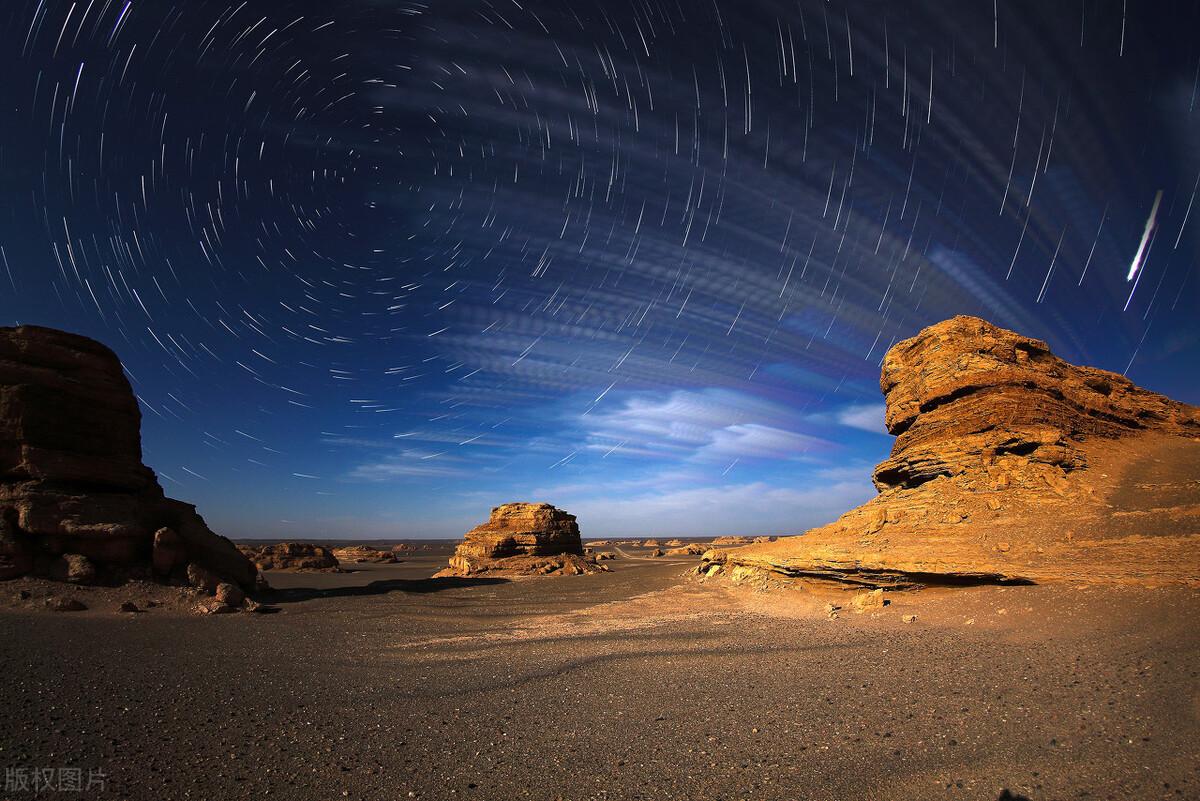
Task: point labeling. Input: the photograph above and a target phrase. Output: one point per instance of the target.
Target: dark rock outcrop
(76, 502)
(1009, 465)
(522, 539)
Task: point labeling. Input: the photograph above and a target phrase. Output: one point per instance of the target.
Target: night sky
(374, 267)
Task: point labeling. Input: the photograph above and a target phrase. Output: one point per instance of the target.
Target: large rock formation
(1009, 465)
(522, 539)
(76, 502)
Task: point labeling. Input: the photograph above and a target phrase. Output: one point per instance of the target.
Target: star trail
(374, 266)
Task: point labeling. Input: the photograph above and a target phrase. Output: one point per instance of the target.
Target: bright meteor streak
(1141, 252)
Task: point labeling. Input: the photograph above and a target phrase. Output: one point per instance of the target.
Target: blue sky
(375, 268)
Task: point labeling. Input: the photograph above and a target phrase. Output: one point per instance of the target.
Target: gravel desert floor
(642, 683)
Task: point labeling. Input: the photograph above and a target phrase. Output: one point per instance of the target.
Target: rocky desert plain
(1014, 616)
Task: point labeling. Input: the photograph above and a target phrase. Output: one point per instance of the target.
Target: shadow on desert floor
(420, 586)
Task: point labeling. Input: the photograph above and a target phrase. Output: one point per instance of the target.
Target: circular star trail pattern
(395, 241)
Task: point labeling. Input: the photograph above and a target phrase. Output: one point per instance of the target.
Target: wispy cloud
(866, 417)
(701, 425)
(406, 464)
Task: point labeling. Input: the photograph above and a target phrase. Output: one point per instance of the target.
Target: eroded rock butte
(1009, 464)
(523, 539)
(76, 502)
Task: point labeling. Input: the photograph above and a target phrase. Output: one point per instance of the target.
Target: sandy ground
(635, 684)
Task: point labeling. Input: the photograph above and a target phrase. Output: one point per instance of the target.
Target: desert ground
(639, 683)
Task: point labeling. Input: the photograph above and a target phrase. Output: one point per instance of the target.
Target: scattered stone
(55, 604)
(657, 552)
(202, 578)
(229, 594)
(128, 606)
(866, 601)
(212, 606)
(909, 618)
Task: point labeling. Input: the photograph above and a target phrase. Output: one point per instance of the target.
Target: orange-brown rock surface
(364, 553)
(293, 556)
(691, 549)
(76, 502)
(1009, 464)
(733, 540)
(522, 539)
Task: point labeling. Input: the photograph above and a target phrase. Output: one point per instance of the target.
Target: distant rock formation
(736, 540)
(292, 556)
(364, 553)
(522, 539)
(1009, 465)
(691, 549)
(76, 502)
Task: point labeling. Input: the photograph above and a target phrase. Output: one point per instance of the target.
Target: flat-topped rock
(1009, 464)
(364, 553)
(72, 482)
(522, 538)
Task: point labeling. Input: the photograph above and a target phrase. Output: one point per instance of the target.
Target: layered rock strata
(1009, 464)
(522, 539)
(76, 502)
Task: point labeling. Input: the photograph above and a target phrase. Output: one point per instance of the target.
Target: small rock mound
(523, 539)
(1009, 465)
(292, 556)
(364, 553)
(691, 549)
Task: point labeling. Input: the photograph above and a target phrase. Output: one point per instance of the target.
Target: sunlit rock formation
(292, 556)
(1009, 464)
(523, 539)
(364, 553)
